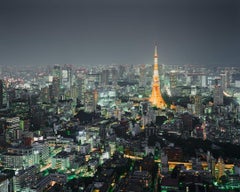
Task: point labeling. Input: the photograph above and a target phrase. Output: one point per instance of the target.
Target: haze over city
(92, 32)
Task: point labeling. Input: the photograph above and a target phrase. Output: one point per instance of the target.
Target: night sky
(96, 32)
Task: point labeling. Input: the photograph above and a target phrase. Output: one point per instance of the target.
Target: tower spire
(156, 97)
(155, 51)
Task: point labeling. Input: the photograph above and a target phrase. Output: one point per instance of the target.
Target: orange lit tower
(156, 97)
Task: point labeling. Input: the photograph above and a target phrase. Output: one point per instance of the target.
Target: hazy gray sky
(92, 32)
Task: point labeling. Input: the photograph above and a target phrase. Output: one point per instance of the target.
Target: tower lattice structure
(156, 96)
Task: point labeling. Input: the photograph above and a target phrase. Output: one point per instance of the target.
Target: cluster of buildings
(112, 128)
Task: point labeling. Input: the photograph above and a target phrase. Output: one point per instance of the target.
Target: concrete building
(25, 178)
(20, 158)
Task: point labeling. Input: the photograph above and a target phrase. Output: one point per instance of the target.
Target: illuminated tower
(156, 97)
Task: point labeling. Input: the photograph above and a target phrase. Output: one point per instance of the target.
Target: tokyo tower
(156, 97)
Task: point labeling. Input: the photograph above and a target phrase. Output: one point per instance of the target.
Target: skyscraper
(217, 93)
(156, 97)
(4, 101)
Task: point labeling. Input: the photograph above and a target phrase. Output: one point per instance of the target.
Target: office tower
(217, 93)
(156, 97)
(105, 77)
(90, 101)
(67, 76)
(80, 87)
(196, 97)
(55, 89)
(198, 105)
(3, 95)
(225, 80)
(203, 81)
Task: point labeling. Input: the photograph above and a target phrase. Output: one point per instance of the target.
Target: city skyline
(145, 127)
(119, 32)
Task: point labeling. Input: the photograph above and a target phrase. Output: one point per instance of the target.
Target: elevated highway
(172, 164)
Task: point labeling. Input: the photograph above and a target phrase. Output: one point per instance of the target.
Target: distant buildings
(65, 123)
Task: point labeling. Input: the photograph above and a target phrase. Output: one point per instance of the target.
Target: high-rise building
(156, 97)
(203, 81)
(114, 75)
(57, 71)
(196, 97)
(55, 89)
(80, 87)
(45, 94)
(90, 101)
(142, 73)
(217, 93)
(13, 131)
(105, 77)
(225, 80)
(121, 71)
(67, 76)
(3, 95)
(173, 78)
(92, 81)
